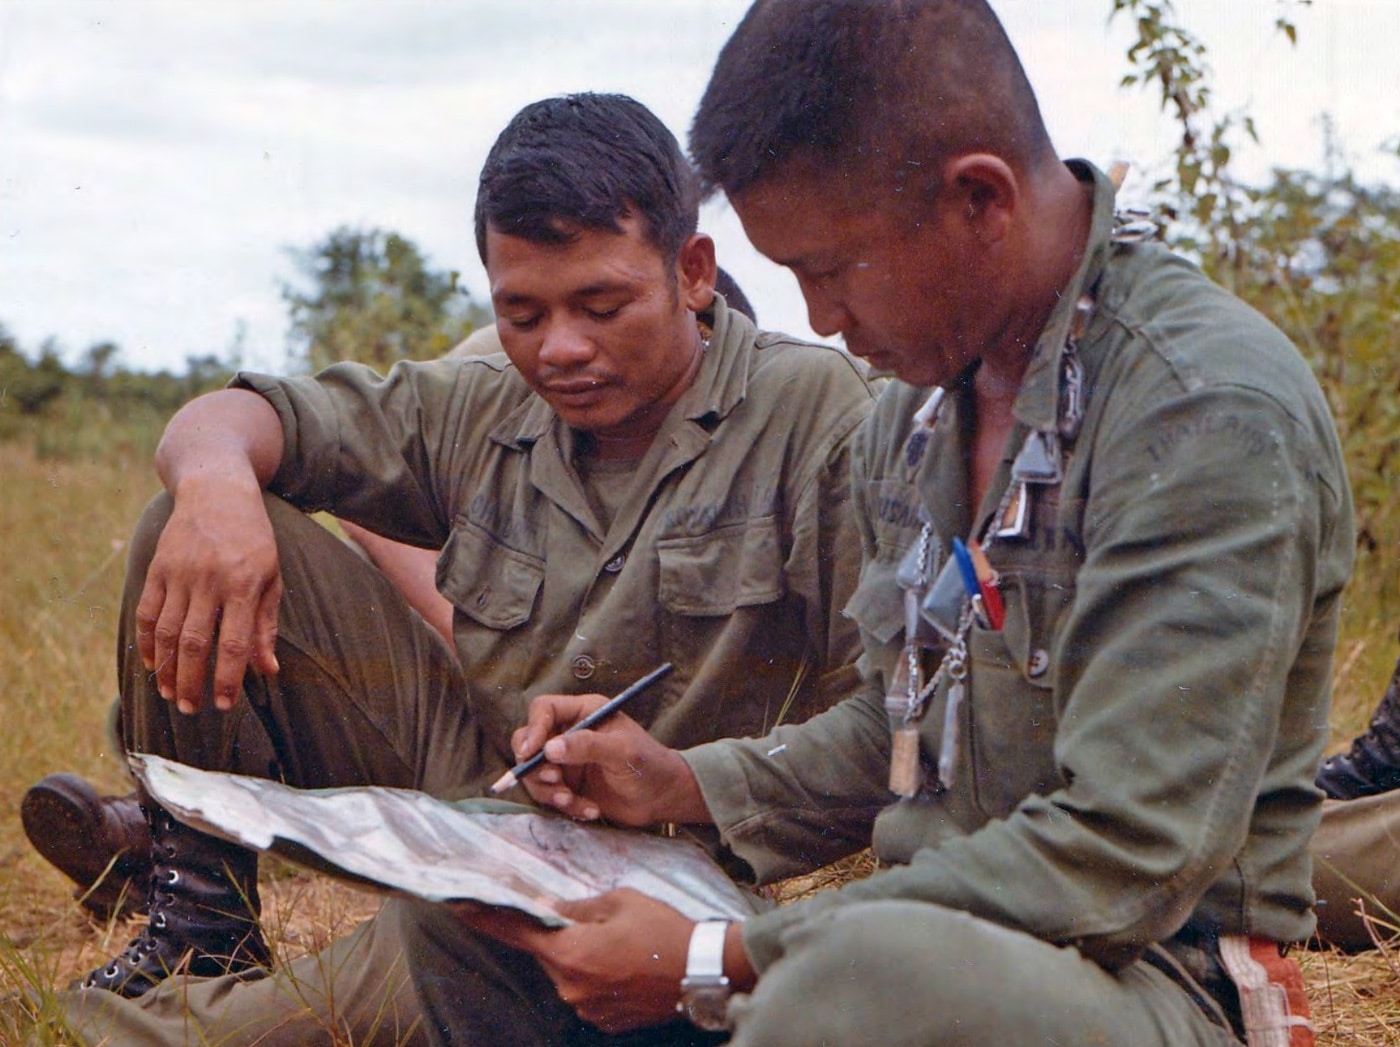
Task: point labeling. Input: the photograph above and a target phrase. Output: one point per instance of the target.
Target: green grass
(72, 491)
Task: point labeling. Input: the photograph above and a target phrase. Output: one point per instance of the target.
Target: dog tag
(952, 735)
(904, 761)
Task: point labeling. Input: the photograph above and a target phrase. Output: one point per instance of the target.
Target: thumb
(584, 748)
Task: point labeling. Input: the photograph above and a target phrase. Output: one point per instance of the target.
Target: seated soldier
(642, 477)
(103, 843)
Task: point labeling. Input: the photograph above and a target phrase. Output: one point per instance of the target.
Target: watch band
(704, 989)
(705, 958)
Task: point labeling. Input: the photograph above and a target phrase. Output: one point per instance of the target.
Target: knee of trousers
(848, 975)
(144, 538)
(897, 972)
(1356, 869)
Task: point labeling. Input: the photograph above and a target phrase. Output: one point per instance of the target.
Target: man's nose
(565, 346)
(826, 313)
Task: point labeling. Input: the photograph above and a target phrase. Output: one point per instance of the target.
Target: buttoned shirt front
(731, 558)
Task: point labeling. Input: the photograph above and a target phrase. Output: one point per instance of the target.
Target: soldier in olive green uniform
(643, 477)
(1103, 562)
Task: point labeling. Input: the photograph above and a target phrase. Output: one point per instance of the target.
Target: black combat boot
(101, 843)
(1372, 764)
(203, 903)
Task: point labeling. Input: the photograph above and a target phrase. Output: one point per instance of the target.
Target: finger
(165, 639)
(607, 747)
(589, 910)
(148, 610)
(519, 739)
(265, 629)
(506, 925)
(561, 798)
(193, 647)
(232, 651)
(551, 714)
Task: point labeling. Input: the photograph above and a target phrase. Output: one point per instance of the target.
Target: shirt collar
(1037, 404)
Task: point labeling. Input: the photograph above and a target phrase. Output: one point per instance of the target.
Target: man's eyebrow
(593, 290)
(601, 287)
(801, 260)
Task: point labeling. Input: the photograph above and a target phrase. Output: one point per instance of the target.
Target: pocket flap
(712, 574)
(877, 605)
(487, 581)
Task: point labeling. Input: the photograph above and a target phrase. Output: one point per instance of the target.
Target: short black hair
(847, 84)
(587, 161)
(734, 296)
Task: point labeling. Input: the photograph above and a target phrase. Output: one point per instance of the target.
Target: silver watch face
(706, 1008)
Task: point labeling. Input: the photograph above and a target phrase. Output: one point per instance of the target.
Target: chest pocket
(1014, 720)
(877, 605)
(488, 582)
(712, 574)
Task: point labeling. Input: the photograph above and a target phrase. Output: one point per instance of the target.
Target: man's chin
(911, 371)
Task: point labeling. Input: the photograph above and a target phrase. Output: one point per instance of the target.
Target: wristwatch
(705, 989)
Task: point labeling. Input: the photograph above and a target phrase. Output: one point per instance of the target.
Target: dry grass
(63, 524)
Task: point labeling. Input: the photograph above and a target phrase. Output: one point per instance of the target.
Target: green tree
(1204, 203)
(372, 297)
(1320, 256)
(1318, 252)
(30, 387)
(97, 365)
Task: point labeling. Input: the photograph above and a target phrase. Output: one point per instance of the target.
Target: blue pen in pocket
(968, 570)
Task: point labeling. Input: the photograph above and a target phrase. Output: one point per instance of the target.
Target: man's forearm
(224, 437)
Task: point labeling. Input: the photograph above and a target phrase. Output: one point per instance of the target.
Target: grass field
(64, 517)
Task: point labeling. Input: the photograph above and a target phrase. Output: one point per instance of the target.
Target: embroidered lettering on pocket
(711, 574)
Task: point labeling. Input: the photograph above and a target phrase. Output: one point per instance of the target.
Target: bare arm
(231, 433)
(214, 583)
(413, 572)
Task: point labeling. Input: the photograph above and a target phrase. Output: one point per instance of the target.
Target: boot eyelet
(112, 971)
(158, 921)
(172, 876)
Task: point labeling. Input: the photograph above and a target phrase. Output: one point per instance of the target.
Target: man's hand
(619, 966)
(214, 583)
(213, 587)
(615, 771)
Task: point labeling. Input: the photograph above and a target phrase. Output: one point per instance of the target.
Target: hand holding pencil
(581, 755)
(597, 716)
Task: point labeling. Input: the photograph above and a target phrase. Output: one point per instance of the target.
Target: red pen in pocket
(987, 583)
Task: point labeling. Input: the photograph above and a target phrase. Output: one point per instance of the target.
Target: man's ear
(695, 272)
(986, 192)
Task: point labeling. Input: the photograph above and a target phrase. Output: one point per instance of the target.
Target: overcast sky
(157, 157)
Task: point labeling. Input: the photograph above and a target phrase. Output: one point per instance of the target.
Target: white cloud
(156, 157)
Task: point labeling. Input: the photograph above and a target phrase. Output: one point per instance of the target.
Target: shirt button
(1040, 661)
(615, 564)
(584, 667)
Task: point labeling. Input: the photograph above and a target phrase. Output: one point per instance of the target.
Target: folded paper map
(407, 842)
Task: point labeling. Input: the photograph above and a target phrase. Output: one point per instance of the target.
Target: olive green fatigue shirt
(1138, 744)
(731, 559)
